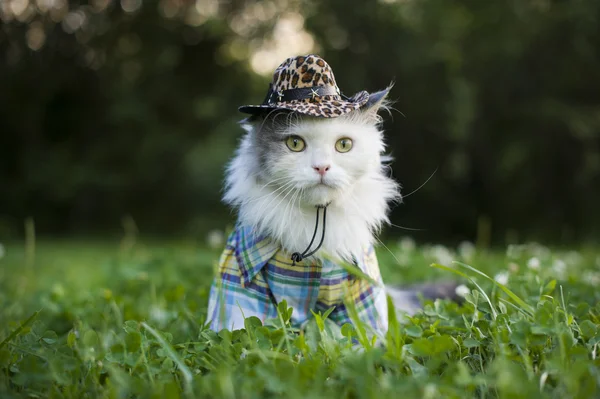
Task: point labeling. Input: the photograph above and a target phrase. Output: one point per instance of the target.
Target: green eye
(343, 145)
(295, 143)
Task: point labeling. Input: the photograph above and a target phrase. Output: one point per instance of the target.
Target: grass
(114, 320)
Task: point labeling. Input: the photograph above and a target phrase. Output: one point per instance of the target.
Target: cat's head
(318, 160)
(308, 145)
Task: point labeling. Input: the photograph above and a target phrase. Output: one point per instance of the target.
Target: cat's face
(314, 161)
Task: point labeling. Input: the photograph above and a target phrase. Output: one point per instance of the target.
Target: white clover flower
(430, 391)
(407, 244)
(514, 251)
(403, 259)
(466, 249)
(534, 263)
(513, 267)
(158, 314)
(573, 258)
(502, 278)
(215, 239)
(2, 251)
(462, 290)
(560, 268)
(442, 255)
(539, 251)
(592, 278)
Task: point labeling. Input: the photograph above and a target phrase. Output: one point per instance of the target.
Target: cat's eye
(343, 145)
(295, 143)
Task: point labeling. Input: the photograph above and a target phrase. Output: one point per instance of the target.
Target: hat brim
(324, 108)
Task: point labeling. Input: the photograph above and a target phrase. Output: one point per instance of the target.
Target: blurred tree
(129, 108)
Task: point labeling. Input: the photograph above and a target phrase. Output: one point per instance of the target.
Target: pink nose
(322, 169)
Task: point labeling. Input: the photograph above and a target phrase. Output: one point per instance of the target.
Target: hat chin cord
(297, 256)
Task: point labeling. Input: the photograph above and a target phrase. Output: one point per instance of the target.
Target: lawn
(125, 319)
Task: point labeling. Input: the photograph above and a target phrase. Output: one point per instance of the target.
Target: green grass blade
(528, 308)
(449, 269)
(360, 327)
(185, 371)
(353, 270)
(18, 330)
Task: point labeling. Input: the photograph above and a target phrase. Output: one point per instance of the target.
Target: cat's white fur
(277, 197)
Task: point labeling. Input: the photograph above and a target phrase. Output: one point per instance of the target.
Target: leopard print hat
(306, 84)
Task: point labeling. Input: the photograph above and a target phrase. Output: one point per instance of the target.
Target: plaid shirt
(255, 274)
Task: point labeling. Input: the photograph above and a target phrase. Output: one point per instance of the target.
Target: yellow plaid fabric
(254, 275)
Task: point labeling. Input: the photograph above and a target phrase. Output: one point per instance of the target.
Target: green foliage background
(135, 113)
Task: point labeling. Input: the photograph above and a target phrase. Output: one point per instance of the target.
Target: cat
(301, 180)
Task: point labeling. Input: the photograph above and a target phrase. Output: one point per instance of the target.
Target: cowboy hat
(306, 84)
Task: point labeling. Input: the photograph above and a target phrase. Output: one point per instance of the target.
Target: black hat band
(301, 93)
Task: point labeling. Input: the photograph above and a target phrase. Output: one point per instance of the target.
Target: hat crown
(303, 71)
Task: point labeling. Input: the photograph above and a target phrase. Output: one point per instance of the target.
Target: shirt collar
(252, 251)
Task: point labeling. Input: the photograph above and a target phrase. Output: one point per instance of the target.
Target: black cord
(296, 256)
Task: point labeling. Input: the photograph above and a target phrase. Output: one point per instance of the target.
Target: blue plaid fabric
(255, 274)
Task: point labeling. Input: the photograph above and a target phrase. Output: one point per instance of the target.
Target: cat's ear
(378, 101)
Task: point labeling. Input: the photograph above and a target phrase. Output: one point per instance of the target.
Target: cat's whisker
(287, 206)
(265, 194)
(283, 190)
(421, 186)
(273, 181)
(290, 190)
(406, 228)
(289, 118)
(273, 118)
(389, 250)
(283, 221)
(270, 193)
(390, 109)
(291, 204)
(357, 207)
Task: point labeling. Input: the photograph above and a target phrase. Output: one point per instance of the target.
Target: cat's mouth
(323, 184)
(321, 192)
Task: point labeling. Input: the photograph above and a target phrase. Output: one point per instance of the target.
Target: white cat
(311, 192)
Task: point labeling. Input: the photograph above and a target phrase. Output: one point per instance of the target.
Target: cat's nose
(321, 169)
